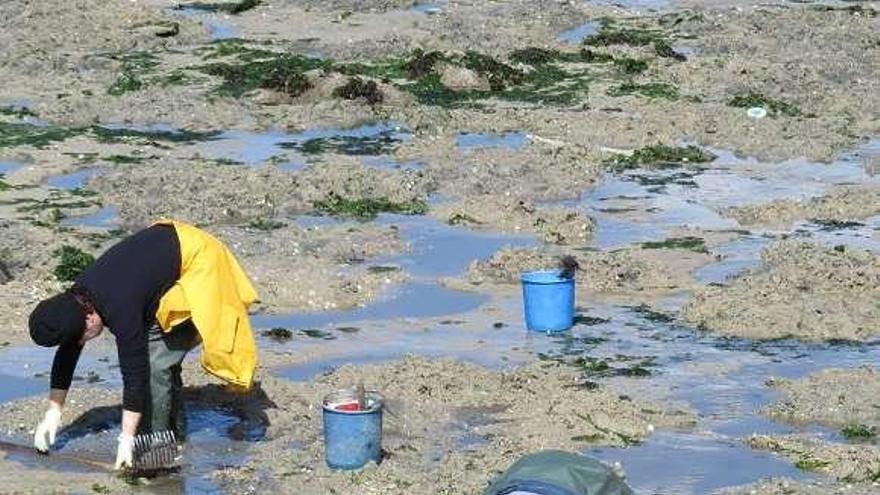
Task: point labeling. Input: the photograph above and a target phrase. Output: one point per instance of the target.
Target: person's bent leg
(167, 351)
(185, 338)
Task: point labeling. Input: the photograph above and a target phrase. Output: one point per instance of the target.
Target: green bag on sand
(554, 472)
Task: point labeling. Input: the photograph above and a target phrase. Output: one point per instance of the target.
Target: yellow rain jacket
(215, 292)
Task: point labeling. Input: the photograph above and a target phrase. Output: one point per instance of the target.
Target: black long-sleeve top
(125, 285)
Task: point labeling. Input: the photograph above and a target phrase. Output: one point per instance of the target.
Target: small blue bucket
(352, 438)
(548, 300)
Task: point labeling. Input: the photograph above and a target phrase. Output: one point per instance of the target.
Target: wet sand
(336, 206)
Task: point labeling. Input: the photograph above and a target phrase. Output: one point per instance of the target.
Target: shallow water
(7, 167)
(428, 8)
(576, 35)
(292, 150)
(512, 140)
(73, 180)
(438, 250)
(641, 205)
(721, 380)
(105, 218)
(218, 29)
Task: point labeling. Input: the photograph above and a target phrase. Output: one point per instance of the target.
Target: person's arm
(134, 363)
(63, 367)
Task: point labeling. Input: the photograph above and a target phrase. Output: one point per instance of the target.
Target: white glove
(124, 451)
(44, 436)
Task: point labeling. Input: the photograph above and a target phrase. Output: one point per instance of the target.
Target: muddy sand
(638, 273)
(820, 92)
(801, 291)
(565, 226)
(450, 426)
(847, 463)
(788, 487)
(549, 125)
(842, 205)
(843, 399)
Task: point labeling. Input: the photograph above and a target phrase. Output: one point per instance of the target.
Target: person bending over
(161, 292)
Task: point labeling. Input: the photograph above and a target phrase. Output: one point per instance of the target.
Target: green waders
(165, 410)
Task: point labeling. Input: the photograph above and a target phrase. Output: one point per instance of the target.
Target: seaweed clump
(357, 87)
(774, 107)
(610, 35)
(368, 208)
(659, 156)
(281, 72)
(229, 8)
(648, 90)
(72, 262)
(690, 243)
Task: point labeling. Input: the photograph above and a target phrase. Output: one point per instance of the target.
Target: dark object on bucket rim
(568, 266)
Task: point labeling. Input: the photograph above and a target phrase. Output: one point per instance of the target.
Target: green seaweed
(610, 35)
(16, 111)
(595, 437)
(267, 70)
(21, 134)
(652, 315)
(123, 134)
(627, 440)
(72, 261)
(499, 74)
(357, 87)
(239, 49)
(123, 159)
(229, 8)
(547, 83)
(266, 225)
(858, 432)
(849, 9)
(648, 90)
(5, 186)
(462, 219)
(379, 144)
(659, 157)
(97, 488)
(665, 50)
(589, 320)
(589, 56)
(535, 56)
(690, 243)
(630, 66)
(368, 208)
(383, 269)
(421, 64)
(808, 463)
(429, 90)
(278, 334)
(134, 66)
(829, 224)
(774, 107)
(314, 333)
(601, 368)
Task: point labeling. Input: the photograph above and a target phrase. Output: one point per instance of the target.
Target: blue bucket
(352, 438)
(548, 299)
